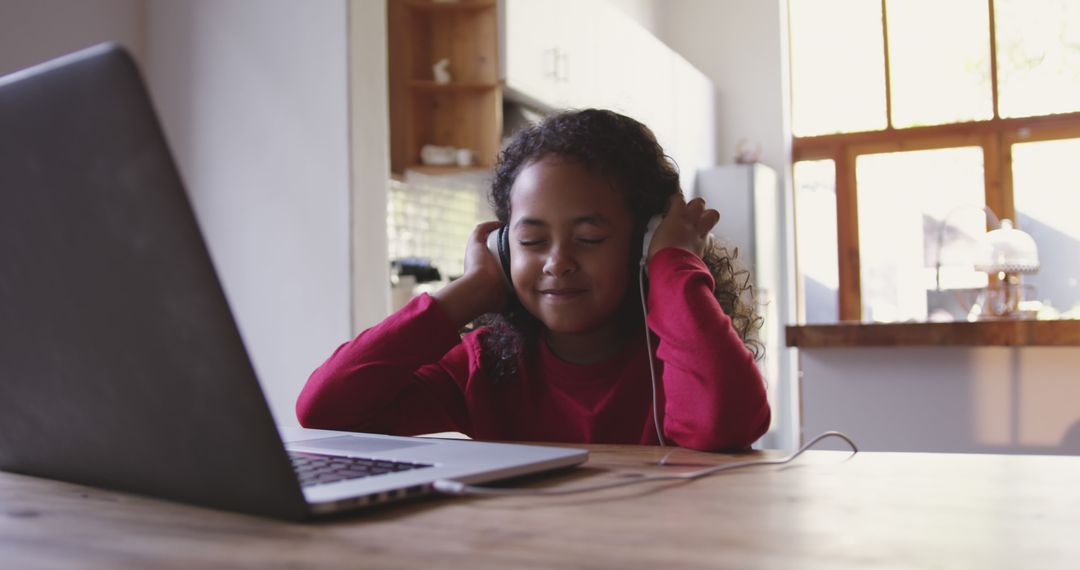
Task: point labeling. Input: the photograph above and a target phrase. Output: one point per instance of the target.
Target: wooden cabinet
(465, 112)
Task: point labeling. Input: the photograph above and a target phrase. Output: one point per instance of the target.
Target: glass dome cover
(1007, 250)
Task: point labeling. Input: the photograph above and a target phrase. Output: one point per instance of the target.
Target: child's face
(570, 235)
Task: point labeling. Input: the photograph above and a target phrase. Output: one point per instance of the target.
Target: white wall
(33, 31)
(369, 112)
(253, 97)
(257, 105)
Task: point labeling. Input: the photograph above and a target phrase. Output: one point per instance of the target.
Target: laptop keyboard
(317, 469)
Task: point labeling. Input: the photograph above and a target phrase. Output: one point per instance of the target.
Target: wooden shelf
(428, 85)
(451, 169)
(461, 6)
(982, 333)
(465, 113)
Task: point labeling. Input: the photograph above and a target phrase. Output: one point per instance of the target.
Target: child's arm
(714, 395)
(400, 376)
(407, 374)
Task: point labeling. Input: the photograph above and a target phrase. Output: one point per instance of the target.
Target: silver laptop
(120, 363)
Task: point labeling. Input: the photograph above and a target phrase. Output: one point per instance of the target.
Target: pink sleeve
(399, 377)
(714, 395)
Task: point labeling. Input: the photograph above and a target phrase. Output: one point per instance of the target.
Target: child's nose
(559, 262)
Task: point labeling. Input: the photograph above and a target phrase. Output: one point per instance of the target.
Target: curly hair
(626, 152)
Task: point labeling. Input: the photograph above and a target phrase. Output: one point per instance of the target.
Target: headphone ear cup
(646, 241)
(498, 243)
(504, 252)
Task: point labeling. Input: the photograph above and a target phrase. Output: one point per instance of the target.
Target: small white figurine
(441, 69)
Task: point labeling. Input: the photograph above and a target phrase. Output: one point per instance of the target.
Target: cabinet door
(575, 54)
(633, 72)
(550, 50)
(614, 65)
(655, 90)
(531, 48)
(694, 126)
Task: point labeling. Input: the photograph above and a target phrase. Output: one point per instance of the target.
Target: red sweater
(413, 373)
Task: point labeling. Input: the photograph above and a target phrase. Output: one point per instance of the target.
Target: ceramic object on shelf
(435, 155)
(441, 71)
(464, 157)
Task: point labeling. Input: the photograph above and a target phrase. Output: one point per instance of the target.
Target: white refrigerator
(752, 218)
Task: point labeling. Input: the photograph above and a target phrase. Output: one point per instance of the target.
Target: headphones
(498, 243)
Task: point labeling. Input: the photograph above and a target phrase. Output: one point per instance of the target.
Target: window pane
(815, 224)
(1046, 190)
(837, 66)
(904, 198)
(939, 61)
(1038, 54)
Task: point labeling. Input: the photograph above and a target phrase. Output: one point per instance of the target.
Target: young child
(562, 356)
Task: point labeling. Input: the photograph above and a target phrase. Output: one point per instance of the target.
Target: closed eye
(530, 242)
(591, 241)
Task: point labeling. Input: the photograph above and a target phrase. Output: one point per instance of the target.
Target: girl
(560, 354)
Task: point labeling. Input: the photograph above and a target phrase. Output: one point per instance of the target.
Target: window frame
(995, 136)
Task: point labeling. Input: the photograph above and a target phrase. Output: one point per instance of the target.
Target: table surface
(827, 509)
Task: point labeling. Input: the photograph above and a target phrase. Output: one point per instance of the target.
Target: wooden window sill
(983, 333)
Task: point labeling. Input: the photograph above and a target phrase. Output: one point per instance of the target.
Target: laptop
(120, 363)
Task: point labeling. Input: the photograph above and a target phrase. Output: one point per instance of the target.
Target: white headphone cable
(449, 487)
(648, 350)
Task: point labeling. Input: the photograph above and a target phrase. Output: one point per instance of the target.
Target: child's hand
(481, 266)
(482, 288)
(686, 226)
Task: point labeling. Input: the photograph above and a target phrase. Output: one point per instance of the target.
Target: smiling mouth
(560, 294)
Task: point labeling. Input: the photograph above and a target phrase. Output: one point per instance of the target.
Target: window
(815, 238)
(1046, 185)
(910, 117)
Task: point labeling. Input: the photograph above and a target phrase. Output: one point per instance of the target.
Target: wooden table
(827, 510)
